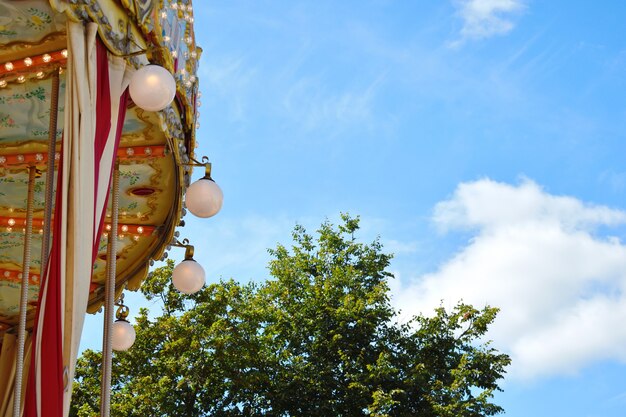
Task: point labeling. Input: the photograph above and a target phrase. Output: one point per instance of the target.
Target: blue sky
(483, 140)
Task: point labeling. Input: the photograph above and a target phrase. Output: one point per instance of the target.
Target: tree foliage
(318, 339)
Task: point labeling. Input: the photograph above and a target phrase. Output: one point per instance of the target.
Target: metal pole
(52, 134)
(21, 332)
(109, 300)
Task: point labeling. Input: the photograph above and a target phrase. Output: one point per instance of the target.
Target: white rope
(52, 134)
(21, 335)
(109, 301)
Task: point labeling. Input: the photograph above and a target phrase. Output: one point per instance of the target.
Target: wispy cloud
(314, 106)
(615, 180)
(227, 80)
(560, 286)
(486, 18)
(620, 398)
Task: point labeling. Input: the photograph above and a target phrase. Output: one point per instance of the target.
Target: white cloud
(488, 204)
(559, 284)
(486, 18)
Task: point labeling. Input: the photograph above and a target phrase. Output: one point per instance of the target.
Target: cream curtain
(84, 212)
(7, 371)
(85, 179)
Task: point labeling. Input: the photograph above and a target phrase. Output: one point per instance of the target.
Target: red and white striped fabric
(95, 105)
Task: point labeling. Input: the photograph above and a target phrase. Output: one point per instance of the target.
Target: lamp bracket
(184, 244)
(151, 49)
(122, 310)
(205, 163)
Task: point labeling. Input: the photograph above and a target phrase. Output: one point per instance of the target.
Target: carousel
(98, 109)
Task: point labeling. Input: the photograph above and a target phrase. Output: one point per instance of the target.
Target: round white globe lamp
(204, 198)
(188, 277)
(123, 336)
(152, 88)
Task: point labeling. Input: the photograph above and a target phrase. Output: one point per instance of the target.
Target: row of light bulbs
(20, 65)
(28, 61)
(153, 88)
(22, 79)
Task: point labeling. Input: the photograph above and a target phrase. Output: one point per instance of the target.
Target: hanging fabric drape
(95, 104)
(7, 370)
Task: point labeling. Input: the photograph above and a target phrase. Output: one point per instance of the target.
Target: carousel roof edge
(155, 150)
(162, 28)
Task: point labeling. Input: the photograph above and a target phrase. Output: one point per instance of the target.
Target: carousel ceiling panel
(25, 114)
(133, 123)
(144, 191)
(125, 244)
(12, 252)
(141, 128)
(29, 27)
(9, 292)
(11, 255)
(128, 246)
(14, 189)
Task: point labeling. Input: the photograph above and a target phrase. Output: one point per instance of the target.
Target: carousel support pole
(52, 134)
(21, 335)
(109, 300)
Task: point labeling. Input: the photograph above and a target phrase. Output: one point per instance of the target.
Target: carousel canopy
(152, 148)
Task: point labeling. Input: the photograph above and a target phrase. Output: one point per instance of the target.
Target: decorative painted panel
(25, 111)
(12, 250)
(10, 292)
(28, 21)
(14, 190)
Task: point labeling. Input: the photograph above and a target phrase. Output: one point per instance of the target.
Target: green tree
(318, 339)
